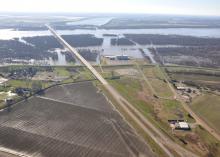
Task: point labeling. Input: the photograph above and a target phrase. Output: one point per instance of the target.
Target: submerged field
(69, 120)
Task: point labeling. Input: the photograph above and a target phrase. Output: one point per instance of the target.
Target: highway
(162, 140)
(78, 56)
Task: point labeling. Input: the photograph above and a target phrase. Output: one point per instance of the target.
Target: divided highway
(162, 140)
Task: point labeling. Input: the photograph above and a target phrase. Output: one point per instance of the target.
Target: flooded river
(107, 48)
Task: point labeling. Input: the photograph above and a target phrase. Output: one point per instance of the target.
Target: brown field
(69, 120)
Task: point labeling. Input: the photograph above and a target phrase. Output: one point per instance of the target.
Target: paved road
(162, 140)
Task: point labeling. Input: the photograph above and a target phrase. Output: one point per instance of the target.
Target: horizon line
(116, 13)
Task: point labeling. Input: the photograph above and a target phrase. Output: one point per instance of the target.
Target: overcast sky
(192, 7)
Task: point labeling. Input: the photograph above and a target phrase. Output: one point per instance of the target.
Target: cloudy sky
(192, 7)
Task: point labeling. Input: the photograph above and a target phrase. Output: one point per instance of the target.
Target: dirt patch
(129, 72)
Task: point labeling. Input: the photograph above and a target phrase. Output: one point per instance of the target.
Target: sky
(183, 7)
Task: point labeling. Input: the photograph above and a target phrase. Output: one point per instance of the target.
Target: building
(181, 88)
(119, 57)
(111, 57)
(182, 126)
(179, 125)
(122, 57)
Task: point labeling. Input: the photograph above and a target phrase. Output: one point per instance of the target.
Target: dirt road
(4, 152)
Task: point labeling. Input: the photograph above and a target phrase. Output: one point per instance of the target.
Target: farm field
(55, 125)
(157, 81)
(208, 107)
(78, 98)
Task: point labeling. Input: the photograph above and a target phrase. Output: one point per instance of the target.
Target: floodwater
(198, 32)
(107, 48)
(92, 21)
(61, 58)
(150, 55)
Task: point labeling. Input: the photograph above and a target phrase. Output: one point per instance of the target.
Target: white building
(182, 126)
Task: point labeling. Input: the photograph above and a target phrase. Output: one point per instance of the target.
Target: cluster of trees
(19, 50)
(21, 73)
(88, 54)
(121, 41)
(207, 52)
(37, 47)
(83, 40)
(156, 39)
(193, 72)
(49, 42)
(85, 53)
(43, 42)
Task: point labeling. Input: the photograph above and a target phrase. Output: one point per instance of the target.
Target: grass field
(157, 110)
(208, 107)
(157, 82)
(61, 71)
(25, 83)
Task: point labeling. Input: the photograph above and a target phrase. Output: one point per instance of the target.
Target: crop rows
(43, 127)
